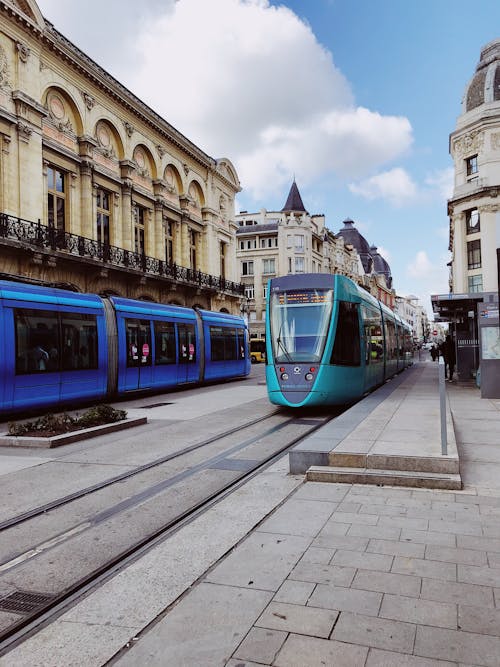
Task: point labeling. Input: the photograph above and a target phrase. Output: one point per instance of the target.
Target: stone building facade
(276, 243)
(474, 208)
(98, 193)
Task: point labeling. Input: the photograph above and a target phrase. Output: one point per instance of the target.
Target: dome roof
(484, 86)
(351, 235)
(380, 265)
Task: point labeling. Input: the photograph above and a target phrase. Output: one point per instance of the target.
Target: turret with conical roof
(294, 200)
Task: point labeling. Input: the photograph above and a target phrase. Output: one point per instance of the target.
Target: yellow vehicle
(257, 350)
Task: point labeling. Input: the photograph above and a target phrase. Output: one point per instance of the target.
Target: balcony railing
(38, 236)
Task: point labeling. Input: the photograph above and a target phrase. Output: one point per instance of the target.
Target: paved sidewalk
(351, 575)
(336, 575)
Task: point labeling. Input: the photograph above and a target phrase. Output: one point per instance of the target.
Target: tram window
(223, 344)
(79, 341)
(37, 341)
(138, 342)
(164, 343)
(346, 349)
(390, 340)
(241, 342)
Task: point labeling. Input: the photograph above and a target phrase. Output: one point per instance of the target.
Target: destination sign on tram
(306, 296)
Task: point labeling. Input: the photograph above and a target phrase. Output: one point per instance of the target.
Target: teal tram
(329, 341)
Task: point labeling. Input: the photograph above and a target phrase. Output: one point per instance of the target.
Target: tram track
(47, 507)
(55, 604)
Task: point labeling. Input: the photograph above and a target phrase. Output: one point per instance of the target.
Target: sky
(355, 99)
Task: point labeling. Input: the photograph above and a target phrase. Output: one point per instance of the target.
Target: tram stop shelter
(474, 325)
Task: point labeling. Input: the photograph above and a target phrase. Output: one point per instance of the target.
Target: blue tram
(329, 341)
(60, 348)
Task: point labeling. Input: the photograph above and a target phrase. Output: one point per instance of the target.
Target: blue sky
(356, 98)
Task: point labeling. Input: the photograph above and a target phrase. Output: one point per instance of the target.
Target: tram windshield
(299, 324)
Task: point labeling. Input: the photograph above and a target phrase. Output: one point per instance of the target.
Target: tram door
(139, 351)
(188, 366)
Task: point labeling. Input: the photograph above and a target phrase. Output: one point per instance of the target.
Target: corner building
(98, 193)
(474, 212)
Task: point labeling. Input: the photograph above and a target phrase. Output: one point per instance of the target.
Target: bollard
(442, 405)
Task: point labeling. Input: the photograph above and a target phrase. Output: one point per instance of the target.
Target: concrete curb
(67, 438)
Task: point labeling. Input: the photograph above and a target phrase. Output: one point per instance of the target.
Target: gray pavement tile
(70, 646)
(346, 506)
(428, 537)
(485, 576)
(425, 568)
(456, 505)
(480, 543)
(456, 645)
(479, 619)
(493, 559)
(299, 651)
(380, 532)
(260, 645)
(299, 517)
(421, 612)
(350, 517)
(334, 528)
(387, 582)
(330, 541)
(346, 599)
(294, 592)
(184, 637)
(490, 529)
(379, 658)
(334, 493)
(456, 592)
(453, 555)
(317, 555)
(405, 522)
(362, 560)
(246, 663)
(377, 632)
(295, 618)
(456, 527)
(263, 561)
(383, 510)
(396, 548)
(323, 574)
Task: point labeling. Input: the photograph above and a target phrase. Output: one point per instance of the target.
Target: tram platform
(295, 573)
(393, 437)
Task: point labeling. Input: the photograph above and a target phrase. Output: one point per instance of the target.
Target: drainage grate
(155, 405)
(22, 602)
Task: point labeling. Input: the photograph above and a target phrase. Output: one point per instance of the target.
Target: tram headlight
(309, 376)
(284, 376)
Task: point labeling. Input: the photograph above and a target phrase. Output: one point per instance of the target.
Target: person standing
(449, 357)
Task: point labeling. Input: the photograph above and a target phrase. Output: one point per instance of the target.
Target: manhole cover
(22, 602)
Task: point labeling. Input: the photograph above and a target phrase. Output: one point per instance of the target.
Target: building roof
(352, 236)
(294, 200)
(484, 86)
(381, 266)
(257, 229)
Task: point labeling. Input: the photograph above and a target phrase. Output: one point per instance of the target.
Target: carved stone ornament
(4, 70)
(495, 141)
(160, 150)
(129, 129)
(23, 51)
(24, 131)
(89, 100)
(471, 142)
(186, 168)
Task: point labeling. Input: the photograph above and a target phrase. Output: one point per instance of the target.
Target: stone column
(127, 168)
(87, 222)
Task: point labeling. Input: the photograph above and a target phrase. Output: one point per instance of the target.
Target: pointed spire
(294, 200)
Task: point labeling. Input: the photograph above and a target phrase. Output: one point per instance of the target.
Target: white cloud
(442, 181)
(395, 185)
(242, 79)
(426, 277)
